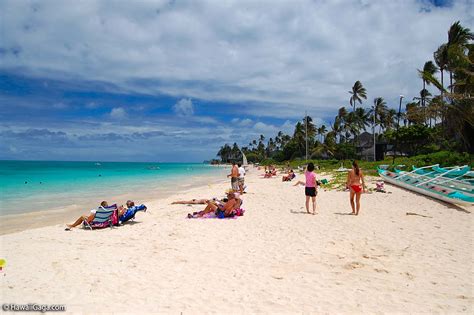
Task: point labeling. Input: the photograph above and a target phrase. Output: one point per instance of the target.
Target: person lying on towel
(226, 209)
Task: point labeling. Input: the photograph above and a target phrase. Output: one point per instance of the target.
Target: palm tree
(424, 96)
(285, 139)
(225, 153)
(299, 138)
(458, 39)
(428, 69)
(441, 59)
(337, 127)
(464, 80)
(362, 118)
(339, 123)
(270, 147)
(379, 110)
(357, 94)
(351, 126)
(322, 131)
(310, 126)
(278, 140)
(434, 109)
(389, 121)
(342, 113)
(413, 113)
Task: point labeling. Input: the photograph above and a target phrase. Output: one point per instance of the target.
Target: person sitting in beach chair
(104, 216)
(219, 209)
(289, 177)
(126, 214)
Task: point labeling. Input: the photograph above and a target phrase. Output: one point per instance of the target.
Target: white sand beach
(274, 259)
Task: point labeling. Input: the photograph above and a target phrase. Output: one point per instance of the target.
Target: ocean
(28, 186)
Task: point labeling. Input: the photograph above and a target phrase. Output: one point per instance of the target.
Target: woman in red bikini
(355, 182)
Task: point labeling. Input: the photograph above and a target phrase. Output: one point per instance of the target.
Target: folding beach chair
(130, 213)
(104, 217)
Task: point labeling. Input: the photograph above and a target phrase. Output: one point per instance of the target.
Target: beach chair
(130, 213)
(104, 217)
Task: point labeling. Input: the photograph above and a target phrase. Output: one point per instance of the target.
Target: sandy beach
(276, 258)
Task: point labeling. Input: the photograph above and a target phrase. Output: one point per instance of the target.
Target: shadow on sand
(299, 212)
(448, 205)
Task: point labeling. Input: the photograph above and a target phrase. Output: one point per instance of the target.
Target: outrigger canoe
(455, 171)
(427, 187)
(456, 183)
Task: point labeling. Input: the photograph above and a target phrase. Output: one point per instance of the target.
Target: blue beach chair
(130, 213)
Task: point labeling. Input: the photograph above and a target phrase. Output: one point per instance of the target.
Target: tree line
(429, 122)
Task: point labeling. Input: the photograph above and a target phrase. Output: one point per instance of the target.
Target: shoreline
(12, 223)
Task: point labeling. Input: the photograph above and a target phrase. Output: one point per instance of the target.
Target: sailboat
(245, 164)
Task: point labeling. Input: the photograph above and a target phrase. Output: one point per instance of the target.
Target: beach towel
(237, 213)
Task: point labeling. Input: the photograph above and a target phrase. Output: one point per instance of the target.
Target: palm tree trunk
(451, 81)
(423, 101)
(442, 83)
(442, 95)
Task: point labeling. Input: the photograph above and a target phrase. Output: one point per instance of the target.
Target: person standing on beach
(310, 187)
(355, 182)
(234, 177)
(241, 178)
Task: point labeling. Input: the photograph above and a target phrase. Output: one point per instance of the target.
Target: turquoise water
(28, 186)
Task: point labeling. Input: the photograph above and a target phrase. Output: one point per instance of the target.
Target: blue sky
(174, 80)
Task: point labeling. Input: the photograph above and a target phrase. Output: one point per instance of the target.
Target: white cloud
(246, 122)
(265, 128)
(118, 113)
(184, 107)
(282, 57)
(241, 122)
(295, 54)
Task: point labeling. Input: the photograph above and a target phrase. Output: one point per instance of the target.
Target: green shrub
(268, 162)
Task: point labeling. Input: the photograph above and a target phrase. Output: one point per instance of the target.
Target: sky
(172, 81)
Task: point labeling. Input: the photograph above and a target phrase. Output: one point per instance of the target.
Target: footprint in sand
(409, 275)
(353, 265)
(381, 270)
